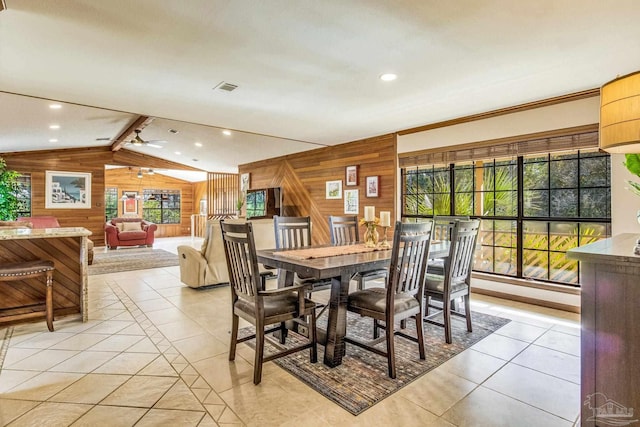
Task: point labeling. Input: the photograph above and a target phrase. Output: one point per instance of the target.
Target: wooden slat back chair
(442, 228)
(344, 231)
(456, 282)
(402, 296)
(258, 306)
(293, 232)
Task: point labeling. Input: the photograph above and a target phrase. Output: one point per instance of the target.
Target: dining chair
(456, 282)
(344, 231)
(401, 298)
(258, 306)
(442, 228)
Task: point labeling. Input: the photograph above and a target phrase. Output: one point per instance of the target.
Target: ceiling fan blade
(153, 145)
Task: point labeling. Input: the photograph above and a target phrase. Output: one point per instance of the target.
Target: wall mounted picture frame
(67, 190)
(351, 202)
(351, 175)
(333, 189)
(130, 204)
(244, 182)
(373, 186)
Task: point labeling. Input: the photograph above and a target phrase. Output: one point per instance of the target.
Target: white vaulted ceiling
(307, 71)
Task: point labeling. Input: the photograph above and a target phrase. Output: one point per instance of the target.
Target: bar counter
(610, 330)
(67, 248)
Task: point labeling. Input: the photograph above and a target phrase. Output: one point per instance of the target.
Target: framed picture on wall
(67, 190)
(373, 184)
(130, 202)
(351, 202)
(333, 190)
(351, 174)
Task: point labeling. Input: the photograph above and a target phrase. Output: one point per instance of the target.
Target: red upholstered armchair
(129, 232)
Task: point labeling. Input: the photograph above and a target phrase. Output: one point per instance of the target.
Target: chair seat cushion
(275, 306)
(374, 299)
(132, 235)
(435, 282)
(15, 269)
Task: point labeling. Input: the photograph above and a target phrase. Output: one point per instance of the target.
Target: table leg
(337, 322)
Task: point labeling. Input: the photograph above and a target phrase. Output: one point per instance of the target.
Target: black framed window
(24, 195)
(532, 208)
(110, 203)
(161, 206)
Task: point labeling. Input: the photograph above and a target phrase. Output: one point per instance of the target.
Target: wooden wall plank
(302, 177)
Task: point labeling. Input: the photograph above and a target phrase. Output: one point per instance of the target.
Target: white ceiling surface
(306, 70)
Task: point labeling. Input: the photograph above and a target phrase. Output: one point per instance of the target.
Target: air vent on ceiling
(226, 86)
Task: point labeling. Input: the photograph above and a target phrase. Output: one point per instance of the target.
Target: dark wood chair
(456, 282)
(442, 228)
(294, 232)
(401, 298)
(258, 306)
(344, 231)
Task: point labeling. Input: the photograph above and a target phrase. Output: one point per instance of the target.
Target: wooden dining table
(339, 269)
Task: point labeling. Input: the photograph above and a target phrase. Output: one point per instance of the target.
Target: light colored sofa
(208, 266)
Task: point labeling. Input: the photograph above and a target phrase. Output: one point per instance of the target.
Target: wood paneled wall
(92, 160)
(125, 179)
(302, 178)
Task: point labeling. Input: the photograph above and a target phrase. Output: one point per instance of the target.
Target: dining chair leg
(257, 364)
(283, 332)
(446, 313)
(313, 336)
(467, 311)
(420, 333)
(391, 353)
(234, 337)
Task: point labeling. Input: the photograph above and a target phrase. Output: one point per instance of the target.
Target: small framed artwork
(67, 190)
(333, 190)
(130, 204)
(244, 182)
(351, 174)
(351, 202)
(373, 186)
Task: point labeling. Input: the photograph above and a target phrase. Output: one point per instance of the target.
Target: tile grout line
(165, 348)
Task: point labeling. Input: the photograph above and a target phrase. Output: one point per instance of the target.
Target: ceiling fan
(139, 142)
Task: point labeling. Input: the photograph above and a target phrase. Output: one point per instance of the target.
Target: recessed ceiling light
(388, 77)
(54, 126)
(177, 153)
(53, 140)
(226, 132)
(55, 106)
(198, 144)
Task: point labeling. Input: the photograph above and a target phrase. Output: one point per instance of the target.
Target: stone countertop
(616, 249)
(42, 233)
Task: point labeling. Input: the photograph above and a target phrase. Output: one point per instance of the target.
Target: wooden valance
(575, 138)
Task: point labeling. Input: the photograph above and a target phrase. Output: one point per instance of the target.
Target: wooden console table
(610, 320)
(67, 248)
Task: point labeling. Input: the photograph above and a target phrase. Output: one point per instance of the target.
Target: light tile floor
(154, 352)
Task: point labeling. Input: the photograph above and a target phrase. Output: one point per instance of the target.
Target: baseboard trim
(527, 300)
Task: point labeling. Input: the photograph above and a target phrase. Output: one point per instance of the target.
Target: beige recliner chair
(208, 266)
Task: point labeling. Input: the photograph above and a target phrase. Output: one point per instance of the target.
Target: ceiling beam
(139, 123)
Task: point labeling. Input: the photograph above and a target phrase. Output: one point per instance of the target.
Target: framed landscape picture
(351, 202)
(373, 184)
(351, 175)
(67, 190)
(333, 190)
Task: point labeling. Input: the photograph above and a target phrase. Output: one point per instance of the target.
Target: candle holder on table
(384, 244)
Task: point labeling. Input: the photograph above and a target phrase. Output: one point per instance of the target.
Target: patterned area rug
(361, 381)
(117, 260)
